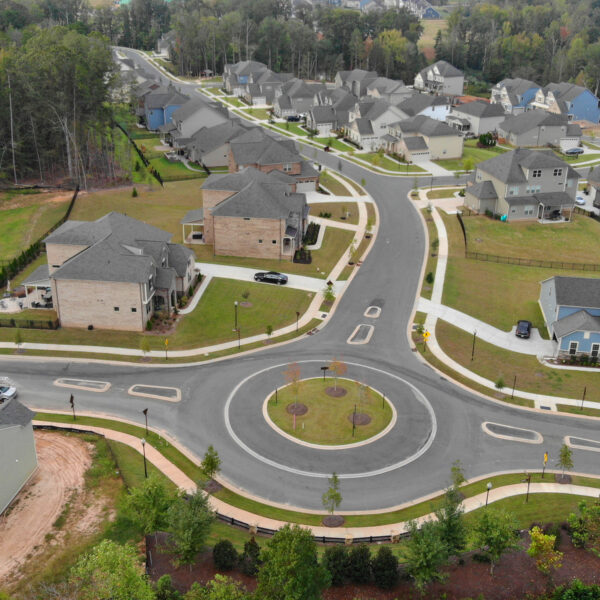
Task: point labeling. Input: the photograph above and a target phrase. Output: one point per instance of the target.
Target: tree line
(547, 42)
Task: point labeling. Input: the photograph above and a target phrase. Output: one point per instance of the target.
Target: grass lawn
(384, 162)
(27, 217)
(291, 128)
(576, 241)
(210, 323)
(281, 131)
(335, 243)
(494, 363)
(357, 187)
(337, 209)
(575, 160)
(161, 207)
(258, 113)
(444, 193)
(337, 188)
(334, 143)
(360, 250)
(147, 146)
(498, 294)
(175, 171)
(329, 420)
(472, 152)
(427, 288)
(234, 101)
(430, 29)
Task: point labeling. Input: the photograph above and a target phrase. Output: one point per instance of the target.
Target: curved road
(221, 401)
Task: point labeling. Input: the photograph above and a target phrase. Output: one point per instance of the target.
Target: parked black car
(271, 277)
(293, 118)
(523, 329)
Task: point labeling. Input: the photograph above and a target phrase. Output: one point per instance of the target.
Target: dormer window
(536, 173)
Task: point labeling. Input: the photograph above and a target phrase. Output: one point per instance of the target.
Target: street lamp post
(324, 369)
(239, 341)
(473, 348)
(235, 304)
(489, 487)
(144, 451)
(528, 480)
(145, 411)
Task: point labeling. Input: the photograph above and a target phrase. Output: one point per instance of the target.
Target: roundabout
(329, 414)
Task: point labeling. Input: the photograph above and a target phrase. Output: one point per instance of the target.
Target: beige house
(251, 213)
(524, 184)
(114, 273)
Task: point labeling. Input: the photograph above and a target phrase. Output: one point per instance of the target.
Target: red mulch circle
(515, 575)
(359, 419)
(212, 486)
(336, 393)
(562, 478)
(333, 521)
(245, 304)
(297, 408)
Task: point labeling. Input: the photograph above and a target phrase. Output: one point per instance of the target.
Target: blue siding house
(578, 103)
(160, 104)
(571, 308)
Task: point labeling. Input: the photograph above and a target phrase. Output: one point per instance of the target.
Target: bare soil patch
(212, 486)
(336, 393)
(359, 419)
(62, 463)
(297, 408)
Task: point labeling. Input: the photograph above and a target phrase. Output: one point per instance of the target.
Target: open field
(26, 217)
(329, 420)
(495, 363)
(576, 241)
(337, 209)
(430, 29)
(498, 294)
(472, 152)
(210, 323)
(335, 243)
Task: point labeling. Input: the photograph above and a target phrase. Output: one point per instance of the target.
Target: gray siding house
(441, 78)
(17, 449)
(476, 117)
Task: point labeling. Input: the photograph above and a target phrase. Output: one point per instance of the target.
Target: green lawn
(175, 171)
(337, 188)
(335, 243)
(335, 143)
(384, 162)
(329, 420)
(498, 294)
(258, 113)
(337, 209)
(357, 187)
(234, 101)
(291, 128)
(427, 288)
(148, 145)
(575, 160)
(472, 152)
(444, 193)
(493, 363)
(26, 217)
(360, 250)
(576, 241)
(281, 131)
(210, 323)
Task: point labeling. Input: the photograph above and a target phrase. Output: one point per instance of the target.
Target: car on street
(293, 119)
(574, 151)
(271, 277)
(523, 329)
(7, 391)
(580, 200)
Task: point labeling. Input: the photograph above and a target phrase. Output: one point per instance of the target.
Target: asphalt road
(221, 401)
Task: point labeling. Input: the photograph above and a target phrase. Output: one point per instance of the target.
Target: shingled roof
(255, 147)
(12, 413)
(577, 291)
(579, 321)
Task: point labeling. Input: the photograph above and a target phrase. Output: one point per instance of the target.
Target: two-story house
(237, 76)
(441, 78)
(390, 90)
(369, 122)
(266, 85)
(210, 145)
(476, 117)
(540, 128)
(160, 104)
(571, 309)
(355, 81)
(574, 101)
(295, 98)
(115, 272)
(514, 95)
(436, 107)
(524, 184)
(253, 213)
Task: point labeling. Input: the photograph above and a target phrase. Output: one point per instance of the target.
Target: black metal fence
(30, 323)
(143, 158)
(532, 262)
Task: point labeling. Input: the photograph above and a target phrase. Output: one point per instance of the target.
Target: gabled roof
(415, 142)
(480, 109)
(208, 139)
(164, 96)
(419, 102)
(257, 147)
(363, 126)
(583, 292)
(445, 69)
(191, 107)
(516, 86)
(531, 119)
(425, 126)
(484, 190)
(323, 114)
(565, 92)
(246, 67)
(579, 321)
(386, 86)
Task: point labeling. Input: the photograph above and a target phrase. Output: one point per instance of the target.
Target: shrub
(359, 564)
(250, 559)
(429, 277)
(136, 166)
(576, 590)
(461, 193)
(225, 556)
(325, 215)
(312, 234)
(165, 590)
(335, 560)
(134, 193)
(500, 383)
(149, 325)
(385, 568)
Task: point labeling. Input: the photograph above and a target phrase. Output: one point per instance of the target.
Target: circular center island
(329, 412)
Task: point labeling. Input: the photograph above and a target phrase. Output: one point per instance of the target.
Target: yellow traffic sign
(166, 342)
(545, 457)
(426, 335)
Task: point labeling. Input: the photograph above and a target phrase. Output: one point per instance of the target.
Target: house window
(595, 350)
(528, 210)
(134, 309)
(116, 309)
(537, 173)
(573, 348)
(287, 168)
(513, 191)
(274, 241)
(557, 172)
(260, 241)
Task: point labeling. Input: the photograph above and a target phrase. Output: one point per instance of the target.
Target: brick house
(115, 272)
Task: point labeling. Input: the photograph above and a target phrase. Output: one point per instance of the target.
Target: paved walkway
(182, 481)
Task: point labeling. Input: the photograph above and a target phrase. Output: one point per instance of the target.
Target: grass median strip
(194, 472)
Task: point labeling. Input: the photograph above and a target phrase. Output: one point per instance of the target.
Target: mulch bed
(333, 521)
(212, 486)
(559, 478)
(297, 408)
(359, 419)
(515, 576)
(336, 393)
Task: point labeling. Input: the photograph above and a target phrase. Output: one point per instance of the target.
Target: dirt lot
(24, 527)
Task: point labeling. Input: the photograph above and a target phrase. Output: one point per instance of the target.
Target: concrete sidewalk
(182, 481)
